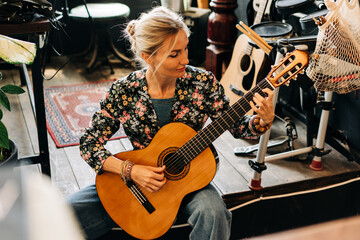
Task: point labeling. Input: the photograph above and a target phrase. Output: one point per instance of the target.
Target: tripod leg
(316, 163)
(255, 183)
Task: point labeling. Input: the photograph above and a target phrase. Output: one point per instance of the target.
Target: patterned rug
(69, 110)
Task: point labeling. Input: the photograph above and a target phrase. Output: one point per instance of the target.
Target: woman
(166, 90)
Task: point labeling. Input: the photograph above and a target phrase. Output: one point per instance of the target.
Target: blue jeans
(204, 210)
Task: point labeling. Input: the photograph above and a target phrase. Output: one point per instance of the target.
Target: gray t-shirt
(163, 109)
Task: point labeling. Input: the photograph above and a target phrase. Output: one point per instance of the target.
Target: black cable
(56, 24)
(70, 58)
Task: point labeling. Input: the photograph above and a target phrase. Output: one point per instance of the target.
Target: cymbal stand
(318, 151)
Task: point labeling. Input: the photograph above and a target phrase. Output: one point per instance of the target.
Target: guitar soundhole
(176, 168)
(245, 63)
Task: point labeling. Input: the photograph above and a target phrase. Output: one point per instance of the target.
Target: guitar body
(242, 72)
(126, 210)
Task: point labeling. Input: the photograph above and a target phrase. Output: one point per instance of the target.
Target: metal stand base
(317, 160)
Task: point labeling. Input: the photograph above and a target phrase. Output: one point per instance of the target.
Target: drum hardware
(255, 183)
(325, 105)
(320, 4)
(291, 136)
(261, 157)
(267, 15)
(317, 151)
(300, 14)
(291, 132)
(288, 7)
(270, 13)
(271, 31)
(243, 151)
(257, 167)
(306, 42)
(308, 24)
(282, 46)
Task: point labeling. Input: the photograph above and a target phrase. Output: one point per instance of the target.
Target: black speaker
(197, 19)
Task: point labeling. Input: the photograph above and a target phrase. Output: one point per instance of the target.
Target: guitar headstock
(288, 68)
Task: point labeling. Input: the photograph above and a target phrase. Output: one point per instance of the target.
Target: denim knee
(208, 215)
(217, 213)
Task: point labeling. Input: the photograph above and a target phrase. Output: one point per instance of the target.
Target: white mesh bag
(335, 64)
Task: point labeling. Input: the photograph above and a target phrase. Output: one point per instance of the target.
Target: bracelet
(254, 125)
(128, 171)
(125, 170)
(122, 169)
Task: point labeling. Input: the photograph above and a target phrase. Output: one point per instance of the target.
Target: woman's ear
(146, 57)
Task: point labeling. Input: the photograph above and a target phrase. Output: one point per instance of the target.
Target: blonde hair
(148, 33)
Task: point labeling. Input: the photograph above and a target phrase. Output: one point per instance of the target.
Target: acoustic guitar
(245, 65)
(190, 161)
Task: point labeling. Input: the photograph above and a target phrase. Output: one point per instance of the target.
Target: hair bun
(131, 27)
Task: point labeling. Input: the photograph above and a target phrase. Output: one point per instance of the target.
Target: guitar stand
(317, 151)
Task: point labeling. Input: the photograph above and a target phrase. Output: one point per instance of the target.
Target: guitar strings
(188, 150)
(138, 194)
(226, 114)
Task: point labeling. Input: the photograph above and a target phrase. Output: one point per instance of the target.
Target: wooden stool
(102, 16)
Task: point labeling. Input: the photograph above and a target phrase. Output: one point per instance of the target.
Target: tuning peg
(302, 71)
(287, 83)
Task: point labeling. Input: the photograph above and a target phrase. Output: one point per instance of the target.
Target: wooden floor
(70, 173)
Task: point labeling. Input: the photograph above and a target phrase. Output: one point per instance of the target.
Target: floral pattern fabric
(198, 95)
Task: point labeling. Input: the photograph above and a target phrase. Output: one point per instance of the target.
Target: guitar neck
(210, 133)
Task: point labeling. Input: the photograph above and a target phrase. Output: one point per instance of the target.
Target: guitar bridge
(140, 197)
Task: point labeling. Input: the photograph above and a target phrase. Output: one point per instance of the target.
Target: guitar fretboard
(211, 132)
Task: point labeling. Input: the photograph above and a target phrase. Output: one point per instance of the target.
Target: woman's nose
(184, 58)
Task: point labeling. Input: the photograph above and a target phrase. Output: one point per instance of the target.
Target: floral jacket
(198, 96)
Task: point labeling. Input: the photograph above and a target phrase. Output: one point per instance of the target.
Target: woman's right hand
(150, 178)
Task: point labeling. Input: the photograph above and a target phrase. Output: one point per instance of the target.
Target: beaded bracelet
(125, 170)
(254, 125)
(128, 171)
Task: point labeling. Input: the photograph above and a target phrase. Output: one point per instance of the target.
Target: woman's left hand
(264, 107)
